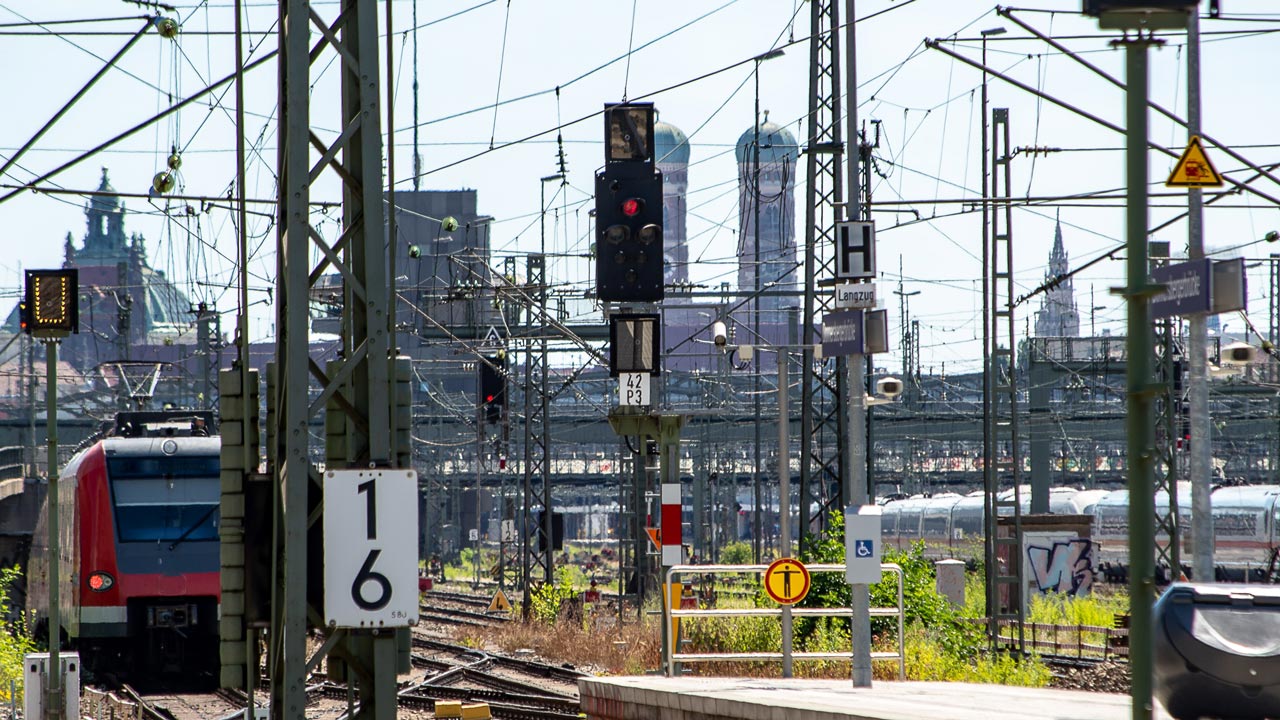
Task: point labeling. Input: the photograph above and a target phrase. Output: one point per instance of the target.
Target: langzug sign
(842, 333)
(1188, 289)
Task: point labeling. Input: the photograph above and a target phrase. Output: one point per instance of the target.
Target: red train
(139, 571)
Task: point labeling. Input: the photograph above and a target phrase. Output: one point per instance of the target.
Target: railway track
(515, 688)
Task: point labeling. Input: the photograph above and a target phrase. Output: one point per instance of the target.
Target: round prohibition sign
(787, 581)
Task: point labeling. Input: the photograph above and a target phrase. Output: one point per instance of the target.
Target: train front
(149, 580)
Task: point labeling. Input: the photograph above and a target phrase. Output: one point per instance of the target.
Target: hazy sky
(927, 103)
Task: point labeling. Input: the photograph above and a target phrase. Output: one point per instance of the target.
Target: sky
(518, 52)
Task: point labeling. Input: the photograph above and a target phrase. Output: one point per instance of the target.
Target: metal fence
(671, 656)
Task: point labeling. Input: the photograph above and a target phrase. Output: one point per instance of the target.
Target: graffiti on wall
(1061, 565)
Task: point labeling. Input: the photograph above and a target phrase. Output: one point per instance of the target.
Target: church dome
(776, 144)
(669, 144)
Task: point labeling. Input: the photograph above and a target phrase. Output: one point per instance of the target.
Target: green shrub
(547, 602)
(737, 553)
(922, 603)
(940, 645)
(733, 634)
(14, 640)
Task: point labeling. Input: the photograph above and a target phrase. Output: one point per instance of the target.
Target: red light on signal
(100, 582)
(488, 398)
(631, 207)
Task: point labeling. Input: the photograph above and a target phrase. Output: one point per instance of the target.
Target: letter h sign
(855, 249)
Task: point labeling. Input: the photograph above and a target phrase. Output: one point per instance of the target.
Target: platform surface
(703, 698)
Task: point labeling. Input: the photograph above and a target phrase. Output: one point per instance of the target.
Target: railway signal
(628, 192)
(51, 303)
(493, 387)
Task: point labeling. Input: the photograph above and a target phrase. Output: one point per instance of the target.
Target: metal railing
(671, 656)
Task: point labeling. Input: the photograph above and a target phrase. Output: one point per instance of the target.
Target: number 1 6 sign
(370, 548)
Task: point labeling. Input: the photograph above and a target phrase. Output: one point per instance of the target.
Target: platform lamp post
(50, 311)
(757, 526)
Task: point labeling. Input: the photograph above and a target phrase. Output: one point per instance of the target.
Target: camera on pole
(629, 250)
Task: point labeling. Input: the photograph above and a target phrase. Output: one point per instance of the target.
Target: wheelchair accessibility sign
(863, 549)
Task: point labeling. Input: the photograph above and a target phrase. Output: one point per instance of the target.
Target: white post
(856, 475)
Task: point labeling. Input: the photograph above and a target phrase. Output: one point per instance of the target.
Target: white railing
(671, 656)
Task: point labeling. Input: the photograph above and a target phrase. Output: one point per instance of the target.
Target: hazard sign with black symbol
(370, 548)
(855, 249)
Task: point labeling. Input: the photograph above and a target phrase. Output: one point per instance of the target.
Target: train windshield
(166, 498)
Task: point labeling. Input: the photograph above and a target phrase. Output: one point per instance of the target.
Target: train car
(1246, 532)
(138, 527)
(951, 525)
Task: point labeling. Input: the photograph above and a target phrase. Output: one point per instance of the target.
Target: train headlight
(101, 582)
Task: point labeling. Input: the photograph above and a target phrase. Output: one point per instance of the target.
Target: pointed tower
(1058, 315)
(104, 239)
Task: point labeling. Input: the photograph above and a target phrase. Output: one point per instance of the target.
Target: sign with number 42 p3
(370, 548)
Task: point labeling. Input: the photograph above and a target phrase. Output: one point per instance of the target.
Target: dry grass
(597, 645)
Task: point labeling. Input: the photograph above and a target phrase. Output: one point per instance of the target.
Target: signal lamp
(650, 233)
(100, 582)
(52, 302)
(617, 234)
(631, 207)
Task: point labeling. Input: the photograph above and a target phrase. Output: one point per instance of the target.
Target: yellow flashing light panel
(52, 302)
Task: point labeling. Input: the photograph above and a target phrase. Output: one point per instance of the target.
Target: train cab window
(165, 499)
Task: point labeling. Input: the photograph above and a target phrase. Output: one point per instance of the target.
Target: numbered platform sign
(370, 548)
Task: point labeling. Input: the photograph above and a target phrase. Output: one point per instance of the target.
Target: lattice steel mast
(821, 425)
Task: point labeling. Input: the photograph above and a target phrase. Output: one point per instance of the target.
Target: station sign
(1188, 289)
(861, 296)
(787, 581)
(855, 249)
(862, 545)
(842, 333)
(1200, 287)
(370, 548)
(855, 332)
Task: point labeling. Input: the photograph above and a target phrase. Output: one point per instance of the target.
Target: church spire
(1058, 315)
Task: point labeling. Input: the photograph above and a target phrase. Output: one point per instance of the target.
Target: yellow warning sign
(1194, 168)
(787, 581)
(499, 603)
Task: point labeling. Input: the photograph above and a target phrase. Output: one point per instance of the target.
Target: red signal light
(100, 582)
(488, 398)
(631, 207)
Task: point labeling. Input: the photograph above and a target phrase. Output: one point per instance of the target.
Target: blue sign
(863, 548)
(1188, 289)
(842, 333)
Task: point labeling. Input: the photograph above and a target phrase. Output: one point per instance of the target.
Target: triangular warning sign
(492, 337)
(499, 603)
(1194, 168)
(653, 537)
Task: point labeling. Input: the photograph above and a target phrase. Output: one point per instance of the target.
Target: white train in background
(1246, 530)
